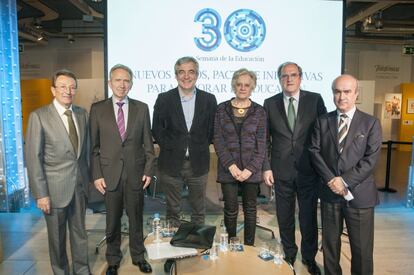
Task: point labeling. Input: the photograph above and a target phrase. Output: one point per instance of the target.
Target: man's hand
(337, 186)
(245, 174)
(268, 177)
(235, 171)
(44, 204)
(100, 185)
(146, 180)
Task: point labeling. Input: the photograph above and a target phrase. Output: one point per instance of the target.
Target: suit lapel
(197, 106)
(333, 129)
(281, 107)
(81, 127)
(132, 114)
(179, 108)
(301, 111)
(110, 117)
(352, 130)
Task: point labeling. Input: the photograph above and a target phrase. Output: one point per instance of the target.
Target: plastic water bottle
(224, 238)
(156, 228)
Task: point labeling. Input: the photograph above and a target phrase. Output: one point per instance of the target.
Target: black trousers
(360, 227)
(172, 187)
(231, 209)
(304, 189)
(132, 199)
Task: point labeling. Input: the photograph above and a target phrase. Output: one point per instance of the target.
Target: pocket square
(359, 136)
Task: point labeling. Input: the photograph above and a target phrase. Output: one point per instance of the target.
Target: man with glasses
(291, 117)
(56, 158)
(183, 128)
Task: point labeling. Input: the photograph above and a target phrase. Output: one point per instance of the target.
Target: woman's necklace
(240, 110)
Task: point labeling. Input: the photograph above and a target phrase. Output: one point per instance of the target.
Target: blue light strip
(10, 109)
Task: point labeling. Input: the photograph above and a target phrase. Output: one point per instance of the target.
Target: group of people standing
(290, 142)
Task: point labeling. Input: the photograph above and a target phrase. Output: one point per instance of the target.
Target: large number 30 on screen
(244, 30)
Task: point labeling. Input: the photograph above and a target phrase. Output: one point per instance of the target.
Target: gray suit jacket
(289, 150)
(53, 168)
(109, 155)
(357, 161)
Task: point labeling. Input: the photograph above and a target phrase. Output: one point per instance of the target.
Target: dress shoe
(313, 268)
(144, 266)
(168, 264)
(290, 260)
(112, 270)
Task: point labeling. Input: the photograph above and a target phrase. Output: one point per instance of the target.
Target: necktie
(120, 121)
(291, 114)
(73, 136)
(342, 131)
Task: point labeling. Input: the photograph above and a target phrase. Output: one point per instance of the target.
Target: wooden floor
(25, 250)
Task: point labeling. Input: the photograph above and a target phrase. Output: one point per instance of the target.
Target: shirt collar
(296, 96)
(349, 114)
(60, 109)
(114, 100)
(185, 96)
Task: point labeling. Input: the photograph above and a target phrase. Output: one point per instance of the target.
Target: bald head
(345, 91)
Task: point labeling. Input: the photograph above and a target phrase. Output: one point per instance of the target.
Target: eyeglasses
(291, 76)
(62, 88)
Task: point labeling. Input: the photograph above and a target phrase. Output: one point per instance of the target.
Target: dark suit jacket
(53, 167)
(109, 155)
(171, 133)
(289, 150)
(356, 162)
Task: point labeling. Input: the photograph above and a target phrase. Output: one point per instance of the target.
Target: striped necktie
(342, 131)
(120, 121)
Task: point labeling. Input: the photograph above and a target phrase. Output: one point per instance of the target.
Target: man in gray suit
(346, 145)
(56, 158)
(121, 161)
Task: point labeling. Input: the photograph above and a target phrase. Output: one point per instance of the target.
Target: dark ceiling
(367, 21)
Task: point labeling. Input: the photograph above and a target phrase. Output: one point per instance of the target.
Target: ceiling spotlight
(71, 38)
(97, 1)
(40, 37)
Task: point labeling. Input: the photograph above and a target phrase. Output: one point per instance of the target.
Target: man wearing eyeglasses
(291, 117)
(56, 158)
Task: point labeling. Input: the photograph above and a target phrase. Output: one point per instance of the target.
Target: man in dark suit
(121, 162)
(346, 145)
(291, 117)
(56, 158)
(183, 128)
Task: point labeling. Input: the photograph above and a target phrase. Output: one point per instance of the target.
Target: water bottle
(156, 228)
(224, 238)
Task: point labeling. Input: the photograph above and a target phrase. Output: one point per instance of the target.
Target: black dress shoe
(313, 268)
(290, 260)
(168, 264)
(144, 266)
(112, 270)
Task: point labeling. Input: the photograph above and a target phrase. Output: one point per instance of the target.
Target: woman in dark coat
(240, 143)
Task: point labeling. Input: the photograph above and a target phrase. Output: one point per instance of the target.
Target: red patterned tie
(121, 121)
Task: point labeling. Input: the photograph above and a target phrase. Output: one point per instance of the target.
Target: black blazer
(357, 161)
(170, 132)
(289, 150)
(109, 155)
